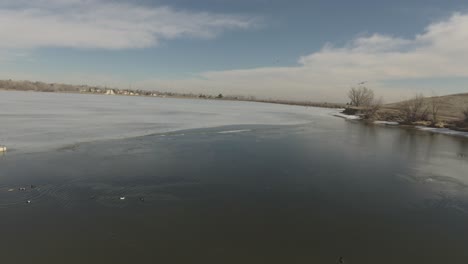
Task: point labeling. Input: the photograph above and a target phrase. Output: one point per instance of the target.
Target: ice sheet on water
(31, 121)
(388, 123)
(345, 116)
(234, 131)
(444, 131)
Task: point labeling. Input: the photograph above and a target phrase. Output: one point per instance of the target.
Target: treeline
(38, 86)
(418, 110)
(55, 87)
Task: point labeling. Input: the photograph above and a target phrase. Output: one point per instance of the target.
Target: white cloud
(105, 24)
(441, 51)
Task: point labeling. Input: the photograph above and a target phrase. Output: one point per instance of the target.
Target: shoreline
(434, 130)
(157, 94)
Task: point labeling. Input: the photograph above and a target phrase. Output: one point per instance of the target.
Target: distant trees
(435, 104)
(434, 111)
(420, 108)
(364, 99)
(219, 96)
(372, 108)
(462, 123)
(465, 114)
(415, 109)
(360, 96)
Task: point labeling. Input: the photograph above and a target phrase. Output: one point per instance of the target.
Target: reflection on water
(258, 194)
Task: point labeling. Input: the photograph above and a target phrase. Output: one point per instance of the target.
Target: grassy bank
(447, 112)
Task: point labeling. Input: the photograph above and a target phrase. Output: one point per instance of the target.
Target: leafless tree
(415, 109)
(360, 96)
(371, 109)
(435, 104)
(465, 114)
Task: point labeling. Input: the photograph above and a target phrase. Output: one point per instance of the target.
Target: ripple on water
(12, 196)
(76, 193)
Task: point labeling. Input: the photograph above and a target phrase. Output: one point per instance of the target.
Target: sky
(295, 49)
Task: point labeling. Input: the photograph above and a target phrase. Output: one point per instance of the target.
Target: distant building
(110, 92)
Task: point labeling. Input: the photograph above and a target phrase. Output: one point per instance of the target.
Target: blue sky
(311, 50)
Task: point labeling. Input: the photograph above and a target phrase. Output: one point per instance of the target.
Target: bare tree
(465, 114)
(435, 104)
(360, 96)
(371, 109)
(364, 98)
(415, 109)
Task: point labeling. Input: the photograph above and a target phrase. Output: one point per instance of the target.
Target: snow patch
(388, 123)
(234, 131)
(444, 131)
(349, 117)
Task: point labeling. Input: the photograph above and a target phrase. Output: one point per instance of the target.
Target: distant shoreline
(10, 85)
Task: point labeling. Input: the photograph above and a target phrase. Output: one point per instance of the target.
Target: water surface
(303, 193)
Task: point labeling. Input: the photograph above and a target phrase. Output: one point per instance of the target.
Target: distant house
(110, 92)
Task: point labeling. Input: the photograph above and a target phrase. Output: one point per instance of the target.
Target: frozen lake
(39, 121)
(256, 183)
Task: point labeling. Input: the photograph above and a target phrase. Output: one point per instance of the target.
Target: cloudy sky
(296, 49)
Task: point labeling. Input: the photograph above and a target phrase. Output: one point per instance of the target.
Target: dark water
(291, 194)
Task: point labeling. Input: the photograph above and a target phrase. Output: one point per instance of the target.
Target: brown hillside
(451, 106)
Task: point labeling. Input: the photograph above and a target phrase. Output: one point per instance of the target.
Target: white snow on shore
(444, 131)
(234, 131)
(34, 121)
(349, 117)
(387, 123)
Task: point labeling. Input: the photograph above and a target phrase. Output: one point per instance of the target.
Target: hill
(451, 106)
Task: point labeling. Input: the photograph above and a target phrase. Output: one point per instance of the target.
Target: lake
(155, 180)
